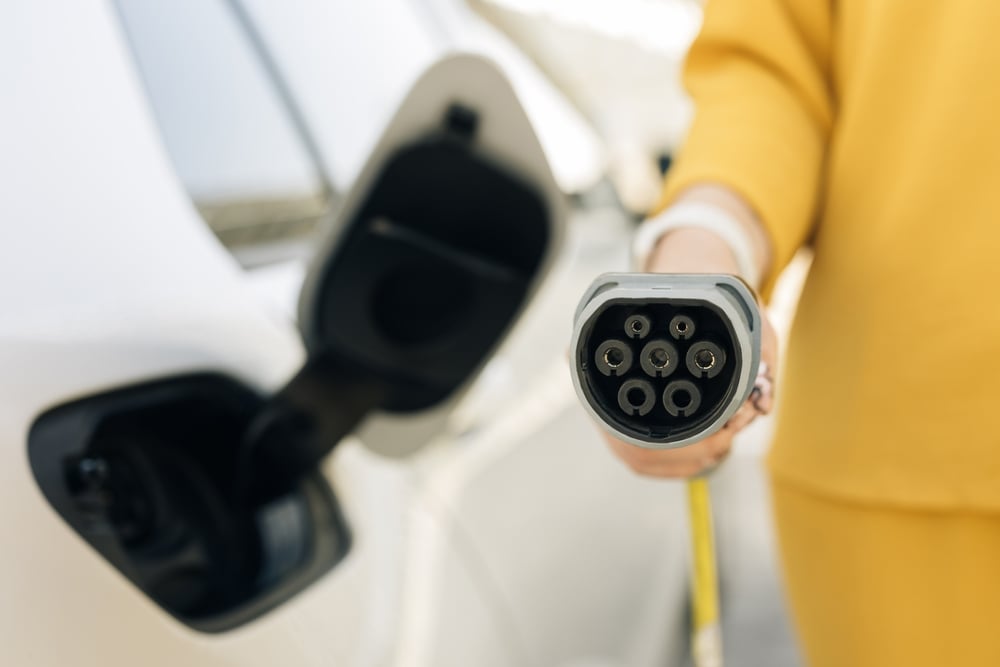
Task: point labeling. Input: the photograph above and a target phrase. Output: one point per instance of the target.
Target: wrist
(708, 229)
(692, 250)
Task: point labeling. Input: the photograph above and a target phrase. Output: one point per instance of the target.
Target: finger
(759, 403)
(640, 457)
(681, 469)
(718, 444)
(672, 469)
(681, 462)
(743, 417)
(675, 470)
(762, 396)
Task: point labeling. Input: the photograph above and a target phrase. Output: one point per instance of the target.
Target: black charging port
(150, 477)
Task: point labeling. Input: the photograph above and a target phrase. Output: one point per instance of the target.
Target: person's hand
(700, 251)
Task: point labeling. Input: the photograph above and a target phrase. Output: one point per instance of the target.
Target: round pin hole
(704, 359)
(638, 326)
(635, 397)
(682, 327)
(613, 357)
(658, 358)
(681, 398)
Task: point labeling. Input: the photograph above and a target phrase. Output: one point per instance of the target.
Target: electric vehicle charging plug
(664, 360)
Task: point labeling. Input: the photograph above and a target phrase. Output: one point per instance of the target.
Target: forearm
(760, 75)
(693, 250)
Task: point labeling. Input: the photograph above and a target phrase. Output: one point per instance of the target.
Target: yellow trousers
(882, 587)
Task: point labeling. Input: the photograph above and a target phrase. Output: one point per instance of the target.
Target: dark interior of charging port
(659, 369)
(150, 477)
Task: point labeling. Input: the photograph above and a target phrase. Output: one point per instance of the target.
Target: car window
(228, 129)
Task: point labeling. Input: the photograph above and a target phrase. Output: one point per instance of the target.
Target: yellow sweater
(870, 129)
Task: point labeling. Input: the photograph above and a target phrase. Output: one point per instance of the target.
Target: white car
(137, 343)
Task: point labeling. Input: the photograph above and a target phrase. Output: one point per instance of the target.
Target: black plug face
(658, 369)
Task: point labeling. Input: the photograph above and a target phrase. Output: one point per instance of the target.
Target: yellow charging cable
(706, 634)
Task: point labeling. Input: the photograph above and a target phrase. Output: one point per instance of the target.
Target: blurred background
(516, 539)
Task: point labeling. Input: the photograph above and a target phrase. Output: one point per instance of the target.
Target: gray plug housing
(665, 360)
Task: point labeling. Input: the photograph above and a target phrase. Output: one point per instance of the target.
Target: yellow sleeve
(759, 77)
